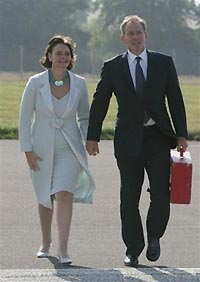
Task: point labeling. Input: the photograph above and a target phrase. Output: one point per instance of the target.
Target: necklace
(58, 83)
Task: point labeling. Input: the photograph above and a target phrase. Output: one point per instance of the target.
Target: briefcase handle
(181, 152)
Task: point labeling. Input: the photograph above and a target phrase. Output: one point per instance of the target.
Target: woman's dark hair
(59, 39)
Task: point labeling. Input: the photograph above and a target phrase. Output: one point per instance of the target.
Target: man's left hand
(181, 144)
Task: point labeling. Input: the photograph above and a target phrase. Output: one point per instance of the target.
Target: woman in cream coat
(53, 125)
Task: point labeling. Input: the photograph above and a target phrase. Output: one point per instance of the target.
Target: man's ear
(122, 37)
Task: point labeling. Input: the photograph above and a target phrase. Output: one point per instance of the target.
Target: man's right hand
(92, 147)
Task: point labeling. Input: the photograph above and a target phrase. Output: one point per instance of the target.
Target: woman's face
(60, 56)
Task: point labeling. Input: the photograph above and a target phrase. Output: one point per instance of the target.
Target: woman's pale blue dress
(66, 167)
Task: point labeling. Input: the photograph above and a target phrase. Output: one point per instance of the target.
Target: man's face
(134, 37)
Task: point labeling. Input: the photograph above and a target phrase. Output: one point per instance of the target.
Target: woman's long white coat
(37, 126)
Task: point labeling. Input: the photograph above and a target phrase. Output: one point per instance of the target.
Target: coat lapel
(72, 93)
(46, 91)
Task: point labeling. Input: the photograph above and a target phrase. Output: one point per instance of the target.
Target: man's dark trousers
(154, 157)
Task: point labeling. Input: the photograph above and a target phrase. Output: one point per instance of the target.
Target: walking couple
(56, 125)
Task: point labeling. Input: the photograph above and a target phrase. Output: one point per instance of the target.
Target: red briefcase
(181, 177)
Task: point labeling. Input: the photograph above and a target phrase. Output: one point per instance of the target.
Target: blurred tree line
(26, 26)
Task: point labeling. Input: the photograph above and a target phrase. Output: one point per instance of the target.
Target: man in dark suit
(142, 81)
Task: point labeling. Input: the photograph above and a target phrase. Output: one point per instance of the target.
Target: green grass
(11, 89)
(192, 104)
(191, 93)
(10, 95)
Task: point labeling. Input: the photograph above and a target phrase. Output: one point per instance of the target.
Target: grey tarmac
(95, 246)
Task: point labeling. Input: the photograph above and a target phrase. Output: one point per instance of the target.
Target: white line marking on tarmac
(152, 274)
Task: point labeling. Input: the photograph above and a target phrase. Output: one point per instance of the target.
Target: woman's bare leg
(46, 215)
(63, 216)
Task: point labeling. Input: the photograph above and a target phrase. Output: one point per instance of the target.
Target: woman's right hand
(32, 159)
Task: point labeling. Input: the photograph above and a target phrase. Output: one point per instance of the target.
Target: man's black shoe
(153, 249)
(130, 261)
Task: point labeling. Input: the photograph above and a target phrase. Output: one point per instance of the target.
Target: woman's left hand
(32, 159)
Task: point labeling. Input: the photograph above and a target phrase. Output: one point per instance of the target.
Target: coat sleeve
(83, 110)
(175, 102)
(26, 116)
(100, 104)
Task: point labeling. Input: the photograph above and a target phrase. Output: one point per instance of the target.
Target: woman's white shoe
(64, 260)
(42, 254)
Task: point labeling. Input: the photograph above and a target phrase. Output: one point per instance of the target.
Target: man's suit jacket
(161, 83)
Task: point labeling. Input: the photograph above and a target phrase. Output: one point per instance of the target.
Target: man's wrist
(181, 138)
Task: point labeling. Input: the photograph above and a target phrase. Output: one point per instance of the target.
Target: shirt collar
(131, 56)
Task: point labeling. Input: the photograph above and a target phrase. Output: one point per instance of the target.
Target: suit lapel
(150, 68)
(126, 71)
(150, 71)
